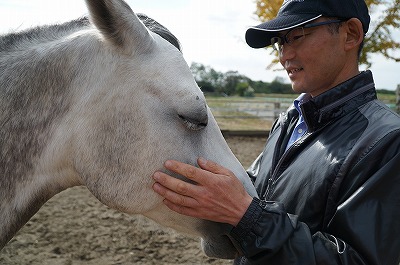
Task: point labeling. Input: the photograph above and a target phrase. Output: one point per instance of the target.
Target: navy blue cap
(294, 13)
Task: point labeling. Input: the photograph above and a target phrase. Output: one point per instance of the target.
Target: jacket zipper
(278, 169)
(280, 163)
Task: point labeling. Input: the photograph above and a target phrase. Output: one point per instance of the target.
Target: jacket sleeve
(365, 227)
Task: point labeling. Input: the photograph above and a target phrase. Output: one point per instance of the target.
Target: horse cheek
(108, 157)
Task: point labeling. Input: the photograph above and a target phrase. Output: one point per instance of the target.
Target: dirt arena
(73, 228)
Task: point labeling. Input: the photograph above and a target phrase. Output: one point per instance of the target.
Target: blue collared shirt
(301, 126)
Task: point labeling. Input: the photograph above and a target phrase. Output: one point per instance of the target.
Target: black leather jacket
(334, 196)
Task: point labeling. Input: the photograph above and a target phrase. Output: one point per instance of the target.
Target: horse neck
(35, 99)
(35, 175)
(16, 209)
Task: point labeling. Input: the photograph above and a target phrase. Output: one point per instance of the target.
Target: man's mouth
(294, 70)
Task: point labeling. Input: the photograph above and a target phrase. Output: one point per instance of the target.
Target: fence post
(398, 98)
(277, 109)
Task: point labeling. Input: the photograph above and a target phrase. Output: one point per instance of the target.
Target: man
(329, 176)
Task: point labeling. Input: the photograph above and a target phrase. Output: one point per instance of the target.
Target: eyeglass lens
(297, 34)
(291, 37)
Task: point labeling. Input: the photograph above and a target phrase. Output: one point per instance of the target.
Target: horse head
(128, 103)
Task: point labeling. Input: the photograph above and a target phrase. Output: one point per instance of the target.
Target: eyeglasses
(297, 35)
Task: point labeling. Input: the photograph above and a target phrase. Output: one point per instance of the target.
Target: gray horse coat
(102, 104)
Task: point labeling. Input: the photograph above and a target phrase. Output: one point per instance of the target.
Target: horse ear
(119, 25)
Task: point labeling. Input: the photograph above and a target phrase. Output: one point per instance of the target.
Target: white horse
(102, 104)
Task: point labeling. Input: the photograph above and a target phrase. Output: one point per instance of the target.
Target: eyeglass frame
(280, 41)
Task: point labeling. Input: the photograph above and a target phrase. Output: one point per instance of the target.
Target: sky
(211, 32)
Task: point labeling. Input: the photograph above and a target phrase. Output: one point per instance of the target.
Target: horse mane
(40, 33)
(159, 29)
(50, 32)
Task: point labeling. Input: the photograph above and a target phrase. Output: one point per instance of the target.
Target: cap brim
(260, 36)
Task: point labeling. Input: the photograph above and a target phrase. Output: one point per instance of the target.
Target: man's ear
(355, 33)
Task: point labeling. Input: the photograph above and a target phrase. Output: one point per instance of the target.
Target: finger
(182, 209)
(213, 167)
(173, 197)
(191, 172)
(173, 184)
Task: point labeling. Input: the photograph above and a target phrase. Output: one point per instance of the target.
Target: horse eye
(194, 123)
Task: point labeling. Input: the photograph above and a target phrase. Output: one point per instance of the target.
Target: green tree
(234, 83)
(231, 81)
(278, 86)
(379, 39)
(206, 77)
(242, 89)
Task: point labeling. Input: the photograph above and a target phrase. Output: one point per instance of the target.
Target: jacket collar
(339, 100)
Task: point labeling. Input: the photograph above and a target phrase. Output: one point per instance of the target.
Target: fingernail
(168, 163)
(156, 176)
(202, 160)
(156, 187)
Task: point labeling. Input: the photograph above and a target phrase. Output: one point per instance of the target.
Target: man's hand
(217, 195)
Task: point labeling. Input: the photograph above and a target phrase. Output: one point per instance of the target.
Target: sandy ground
(74, 228)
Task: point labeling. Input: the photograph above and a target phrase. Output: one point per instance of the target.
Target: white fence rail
(268, 109)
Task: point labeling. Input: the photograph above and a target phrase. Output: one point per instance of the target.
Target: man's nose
(287, 52)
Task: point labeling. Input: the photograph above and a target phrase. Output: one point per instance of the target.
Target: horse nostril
(194, 123)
